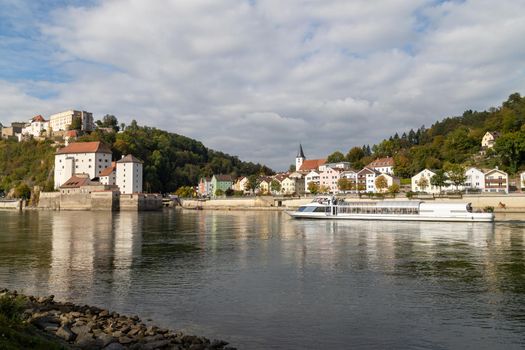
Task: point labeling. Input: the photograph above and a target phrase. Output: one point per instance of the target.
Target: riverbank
(71, 326)
(513, 203)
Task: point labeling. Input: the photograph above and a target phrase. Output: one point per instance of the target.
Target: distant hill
(454, 140)
(170, 160)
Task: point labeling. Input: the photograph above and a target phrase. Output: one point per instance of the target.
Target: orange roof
(311, 164)
(38, 118)
(71, 133)
(381, 162)
(108, 170)
(85, 147)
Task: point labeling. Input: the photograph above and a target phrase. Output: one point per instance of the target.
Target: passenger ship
(397, 210)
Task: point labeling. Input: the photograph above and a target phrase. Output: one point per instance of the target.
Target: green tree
(291, 169)
(109, 121)
(456, 174)
(275, 186)
(439, 179)
(393, 189)
(22, 191)
(335, 157)
(355, 154)
(313, 188)
(343, 184)
(253, 183)
(511, 149)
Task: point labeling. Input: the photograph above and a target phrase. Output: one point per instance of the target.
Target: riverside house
(496, 181)
(204, 187)
(221, 182)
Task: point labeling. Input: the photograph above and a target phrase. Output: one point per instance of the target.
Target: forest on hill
(170, 160)
(453, 141)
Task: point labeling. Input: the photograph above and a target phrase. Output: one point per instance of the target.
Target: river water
(261, 280)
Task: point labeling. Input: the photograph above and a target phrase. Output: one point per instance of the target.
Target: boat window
(321, 209)
(301, 209)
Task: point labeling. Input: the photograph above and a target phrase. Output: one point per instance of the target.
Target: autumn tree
(313, 188)
(381, 183)
(423, 183)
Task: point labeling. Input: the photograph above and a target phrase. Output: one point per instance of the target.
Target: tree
(393, 189)
(109, 121)
(292, 169)
(335, 157)
(422, 183)
(253, 183)
(324, 189)
(275, 186)
(186, 192)
(76, 124)
(439, 179)
(22, 191)
(456, 174)
(381, 183)
(511, 149)
(355, 154)
(313, 188)
(343, 184)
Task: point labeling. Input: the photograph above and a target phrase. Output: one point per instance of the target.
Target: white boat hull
(470, 217)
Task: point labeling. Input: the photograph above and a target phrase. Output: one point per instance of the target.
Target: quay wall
(16, 204)
(99, 201)
(500, 202)
(49, 201)
(105, 200)
(140, 202)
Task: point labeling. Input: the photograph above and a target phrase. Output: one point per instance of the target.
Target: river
(261, 280)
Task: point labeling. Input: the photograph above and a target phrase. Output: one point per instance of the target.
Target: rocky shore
(89, 327)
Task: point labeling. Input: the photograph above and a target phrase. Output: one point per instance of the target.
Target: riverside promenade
(502, 203)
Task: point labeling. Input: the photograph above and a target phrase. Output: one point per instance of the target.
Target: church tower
(300, 158)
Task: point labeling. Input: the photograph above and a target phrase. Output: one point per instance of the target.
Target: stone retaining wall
(15, 204)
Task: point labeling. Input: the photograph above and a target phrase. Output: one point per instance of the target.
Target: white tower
(300, 158)
(129, 175)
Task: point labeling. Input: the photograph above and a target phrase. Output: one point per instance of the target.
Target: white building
(108, 176)
(241, 184)
(366, 178)
(496, 181)
(329, 178)
(35, 127)
(129, 175)
(288, 185)
(312, 176)
(489, 139)
(522, 180)
(419, 180)
(81, 158)
(475, 179)
(62, 120)
(383, 165)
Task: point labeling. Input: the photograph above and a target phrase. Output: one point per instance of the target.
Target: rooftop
(85, 147)
(311, 164)
(130, 159)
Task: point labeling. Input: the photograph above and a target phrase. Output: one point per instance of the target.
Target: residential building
(264, 185)
(204, 187)
(299, 182)
(36, 127)
(366, 178)
(221, 182)
(383, 165)
(475, 179)
(340, 165)
(129, 174)
(62, 120)
(496, 181)
(108, 176)
(241, 184)
(81, 157)
(329, 178)
(489, 139)
(351, 176)
(390, 180)
(421, 182)
(288, 185)
(312, 176)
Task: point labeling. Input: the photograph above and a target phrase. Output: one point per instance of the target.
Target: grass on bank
(14, 333)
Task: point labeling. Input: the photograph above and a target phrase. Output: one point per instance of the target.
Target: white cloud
(255, 79)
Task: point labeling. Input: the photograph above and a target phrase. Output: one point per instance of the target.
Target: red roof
(71, 133)
(108, 170)
(38, 118)
(311, 164)
(76, 181)
(382, 162)
(85, 147)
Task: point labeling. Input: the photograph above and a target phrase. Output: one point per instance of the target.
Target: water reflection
(263, 280)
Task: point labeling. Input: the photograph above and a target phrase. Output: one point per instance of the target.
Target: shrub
(488, 209)
(12, 307)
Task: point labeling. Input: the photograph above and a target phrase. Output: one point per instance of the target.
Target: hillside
(170, 160)
(454, 140)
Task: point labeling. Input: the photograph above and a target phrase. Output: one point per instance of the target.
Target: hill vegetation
(453, 141)
(170, 160)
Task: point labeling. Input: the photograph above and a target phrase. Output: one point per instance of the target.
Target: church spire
(300, 153)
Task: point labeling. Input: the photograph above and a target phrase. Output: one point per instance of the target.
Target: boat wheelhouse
(400, 210)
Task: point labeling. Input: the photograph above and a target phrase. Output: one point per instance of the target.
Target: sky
(255, 78)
